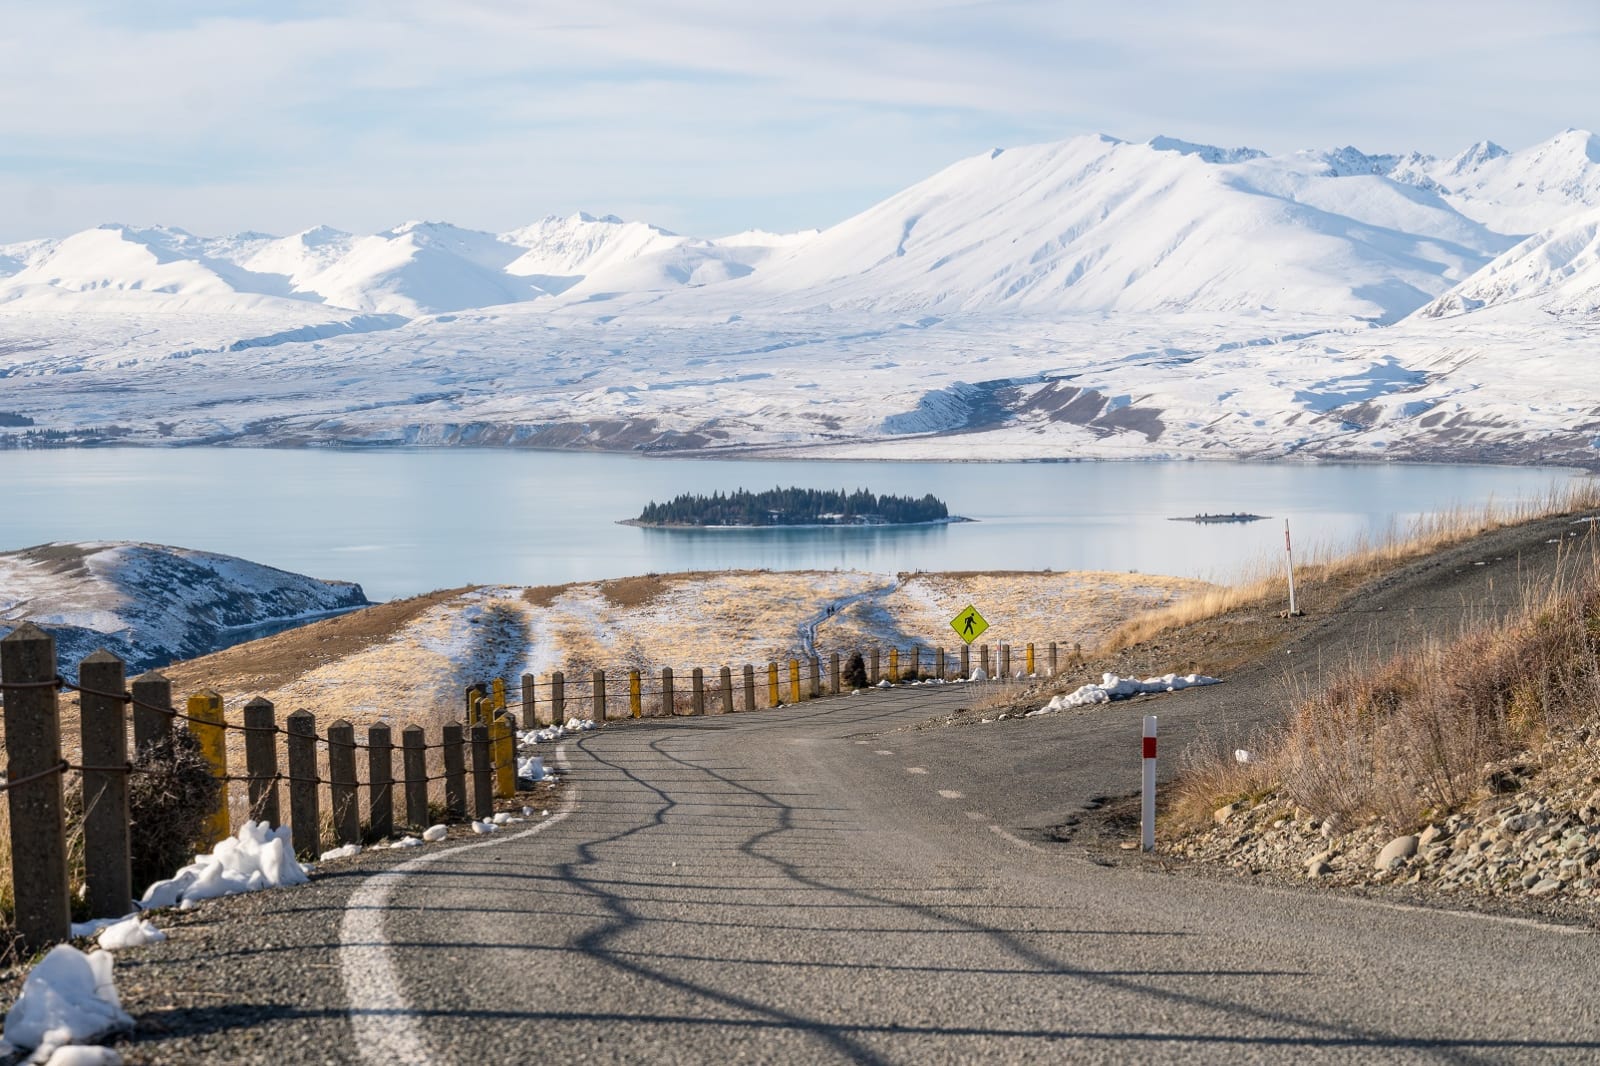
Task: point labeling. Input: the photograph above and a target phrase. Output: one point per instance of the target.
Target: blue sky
(711, 116)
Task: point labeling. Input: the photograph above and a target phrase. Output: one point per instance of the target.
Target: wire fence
(474, 760)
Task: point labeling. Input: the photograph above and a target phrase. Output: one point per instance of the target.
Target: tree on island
(793, 506)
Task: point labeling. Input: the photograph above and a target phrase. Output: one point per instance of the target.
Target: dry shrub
(1411, 738)
(167, 806)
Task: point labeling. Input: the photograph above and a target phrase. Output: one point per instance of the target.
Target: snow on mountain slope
(1557, 270)
(1098, 225)
(151, 604)
(1526, 191)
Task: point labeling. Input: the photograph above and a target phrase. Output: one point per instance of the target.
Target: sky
(711, 116)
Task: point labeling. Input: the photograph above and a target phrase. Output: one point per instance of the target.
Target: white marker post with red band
(1288, 555)
(1148, 821)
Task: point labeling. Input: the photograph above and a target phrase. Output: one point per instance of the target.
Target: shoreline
(683, 527)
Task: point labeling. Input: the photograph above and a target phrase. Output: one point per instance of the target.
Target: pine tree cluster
(793, 507)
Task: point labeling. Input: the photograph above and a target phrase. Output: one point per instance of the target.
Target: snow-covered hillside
(1093, 298)
(151, 604)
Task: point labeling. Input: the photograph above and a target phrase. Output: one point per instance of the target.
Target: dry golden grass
(1410, 739)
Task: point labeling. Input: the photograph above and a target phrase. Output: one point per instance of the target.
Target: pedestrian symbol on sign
(969, 624)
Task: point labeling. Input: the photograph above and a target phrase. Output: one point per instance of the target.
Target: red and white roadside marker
(1147, 825)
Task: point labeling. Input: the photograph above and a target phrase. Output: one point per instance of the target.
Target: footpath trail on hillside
(839, 882)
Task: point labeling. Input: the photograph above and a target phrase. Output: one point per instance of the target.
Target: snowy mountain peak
(1472, 158)
(1349, 161)
(1208, 152)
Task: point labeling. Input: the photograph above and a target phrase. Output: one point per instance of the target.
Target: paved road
(827, 883)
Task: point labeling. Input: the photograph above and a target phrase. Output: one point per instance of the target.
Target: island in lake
(1236, 516)
(792, 507)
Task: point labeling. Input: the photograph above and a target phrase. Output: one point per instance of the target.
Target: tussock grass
(1411, 739)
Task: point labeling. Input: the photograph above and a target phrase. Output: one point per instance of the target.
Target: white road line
(882, 752)
(386, 1032)
(916, 770)
(950, 794)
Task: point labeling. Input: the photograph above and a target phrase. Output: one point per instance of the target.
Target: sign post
(1147, 821)
(1288, 554)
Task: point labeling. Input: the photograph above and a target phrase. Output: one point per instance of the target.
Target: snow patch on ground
(255, 858)
(1112, 687)
(67, 998)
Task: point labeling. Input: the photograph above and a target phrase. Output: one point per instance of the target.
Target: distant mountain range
(1090, 297)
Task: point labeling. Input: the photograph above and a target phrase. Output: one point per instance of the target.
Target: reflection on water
(408, 521)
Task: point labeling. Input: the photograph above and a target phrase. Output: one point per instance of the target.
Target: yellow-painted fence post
(499, 690)
(205, 713)
(505, 757)
(772, 685)
(894, 666)
(635, 702)
(1030, 658)
(794, 680)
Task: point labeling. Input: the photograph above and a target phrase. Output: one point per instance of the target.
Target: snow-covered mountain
(150, 604)
(1093, 297)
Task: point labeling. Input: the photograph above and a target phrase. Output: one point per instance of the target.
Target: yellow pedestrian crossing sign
(969, 624)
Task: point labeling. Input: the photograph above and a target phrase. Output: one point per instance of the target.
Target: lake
(403, 521)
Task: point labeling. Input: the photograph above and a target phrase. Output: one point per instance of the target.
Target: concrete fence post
(304, 800)
(558, 698)
(482, 773)
(530, 700)
(455, 769)
(894, 666)
(598, 703)
(872, 669)
(108, 870)
(773, 699)
(938, 664)
(983, 660)
(380, 781)
(342, 783)
(966, 661)
(833, 674)
(816, 677)
(1005, 662)
(635, 695)
(669, 699)
(206, 726)
(41, 904)
(1055, 664)
(697, 685)
(749, 687)
(151, 690)
(725, 675)
(915, 670)
(414, 759)
(261, 760)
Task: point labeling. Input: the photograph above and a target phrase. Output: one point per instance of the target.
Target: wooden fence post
(206, 725)
(558, 698)
(40, 892)
(455, 770)
(938, 663)
(816, 677)
(872, 675)
(698, 689)
(108, 870)
(151, 690)
(503, 752)
(261, 760)
(794, 680)
(342, 783)
(530, 700)
(304, 816)
(915, 671)
(482, 773)
(983, 660)
(726, 677)
(1005, 662)
(598, 712)
(414, 756)
(475, 694)
(380, 781)
(635, 700)
(772, 685)
(669, 699)
(966, 661)
(1054, 666)
(833, 674)
(749, 687)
